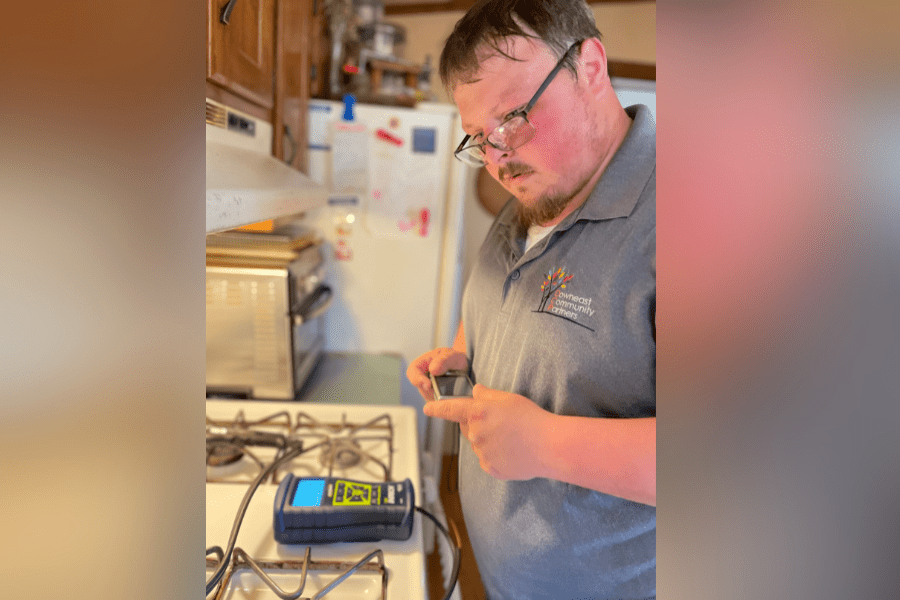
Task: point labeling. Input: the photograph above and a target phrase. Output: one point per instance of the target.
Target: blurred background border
(778, 287)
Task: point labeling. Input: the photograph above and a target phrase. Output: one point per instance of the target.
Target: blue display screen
(309, 492)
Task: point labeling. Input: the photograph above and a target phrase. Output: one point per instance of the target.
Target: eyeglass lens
(510, 135)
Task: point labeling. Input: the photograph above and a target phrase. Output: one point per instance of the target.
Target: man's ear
(592, 63)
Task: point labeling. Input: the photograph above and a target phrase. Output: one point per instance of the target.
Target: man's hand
(504, 429)
(438, 362)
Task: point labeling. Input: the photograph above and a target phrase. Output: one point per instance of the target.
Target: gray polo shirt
(570, 325)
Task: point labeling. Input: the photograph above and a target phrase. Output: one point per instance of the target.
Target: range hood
(244, 182)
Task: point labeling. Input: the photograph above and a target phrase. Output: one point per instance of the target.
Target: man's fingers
(446, 359)
(436, 362)
(416, 372)
(450, 410)
(480, 392)
(438, 366)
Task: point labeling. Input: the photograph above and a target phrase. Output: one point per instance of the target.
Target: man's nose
(494, 156)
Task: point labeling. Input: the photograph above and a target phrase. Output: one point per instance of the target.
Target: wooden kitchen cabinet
(259, 63)
(293, 60)
(241, 53)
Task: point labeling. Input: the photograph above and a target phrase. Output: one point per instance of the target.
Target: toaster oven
(265, 301)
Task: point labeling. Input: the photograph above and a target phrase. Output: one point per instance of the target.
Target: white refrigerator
(393, 236)
(394, 243)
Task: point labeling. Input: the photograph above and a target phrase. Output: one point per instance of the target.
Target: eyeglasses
(515, 130)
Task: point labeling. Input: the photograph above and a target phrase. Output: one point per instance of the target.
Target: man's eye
(512, 114)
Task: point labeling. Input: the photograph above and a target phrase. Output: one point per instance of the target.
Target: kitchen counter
(353, 378)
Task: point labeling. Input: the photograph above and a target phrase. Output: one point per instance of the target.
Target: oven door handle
(314, 305)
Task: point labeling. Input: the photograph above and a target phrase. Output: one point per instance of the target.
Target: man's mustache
(512, 170)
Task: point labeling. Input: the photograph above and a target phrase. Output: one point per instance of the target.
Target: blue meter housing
(321, 510)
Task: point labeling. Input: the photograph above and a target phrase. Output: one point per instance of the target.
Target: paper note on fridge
(349, 159)
(318, 134)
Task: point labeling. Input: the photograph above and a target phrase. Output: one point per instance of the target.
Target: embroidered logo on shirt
(563, 304)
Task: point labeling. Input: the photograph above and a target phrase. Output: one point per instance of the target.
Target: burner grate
(238, 449)
(347, 445)
(267, 571)
(276, 422)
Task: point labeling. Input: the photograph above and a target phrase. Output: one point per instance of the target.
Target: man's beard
(544, 210)
(547, 208)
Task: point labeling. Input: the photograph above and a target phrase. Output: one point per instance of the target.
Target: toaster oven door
(255, 345)
(248, 332)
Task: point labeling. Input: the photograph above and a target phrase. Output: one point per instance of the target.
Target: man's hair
(558, 23)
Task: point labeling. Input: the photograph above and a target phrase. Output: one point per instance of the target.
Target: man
(558, 480)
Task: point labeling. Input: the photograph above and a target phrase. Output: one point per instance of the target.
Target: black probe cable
(456, 546)
(216, 577)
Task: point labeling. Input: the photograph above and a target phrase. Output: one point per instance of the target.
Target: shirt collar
(626, 175)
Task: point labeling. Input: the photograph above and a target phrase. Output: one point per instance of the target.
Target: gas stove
(358, 442)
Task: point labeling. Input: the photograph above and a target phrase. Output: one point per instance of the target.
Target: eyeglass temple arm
(462, 145)
(549, 78)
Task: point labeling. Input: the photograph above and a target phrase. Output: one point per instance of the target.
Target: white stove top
(365, 458)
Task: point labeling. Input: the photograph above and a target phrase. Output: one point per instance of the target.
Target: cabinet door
(241, 54)
(293, 79)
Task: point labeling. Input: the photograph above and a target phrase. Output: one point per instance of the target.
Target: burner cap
(341, 452)
(220, 455)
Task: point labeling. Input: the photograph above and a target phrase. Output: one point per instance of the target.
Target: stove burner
(344, 453)
(221, 455)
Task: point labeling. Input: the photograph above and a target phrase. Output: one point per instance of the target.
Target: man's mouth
(516, 176)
